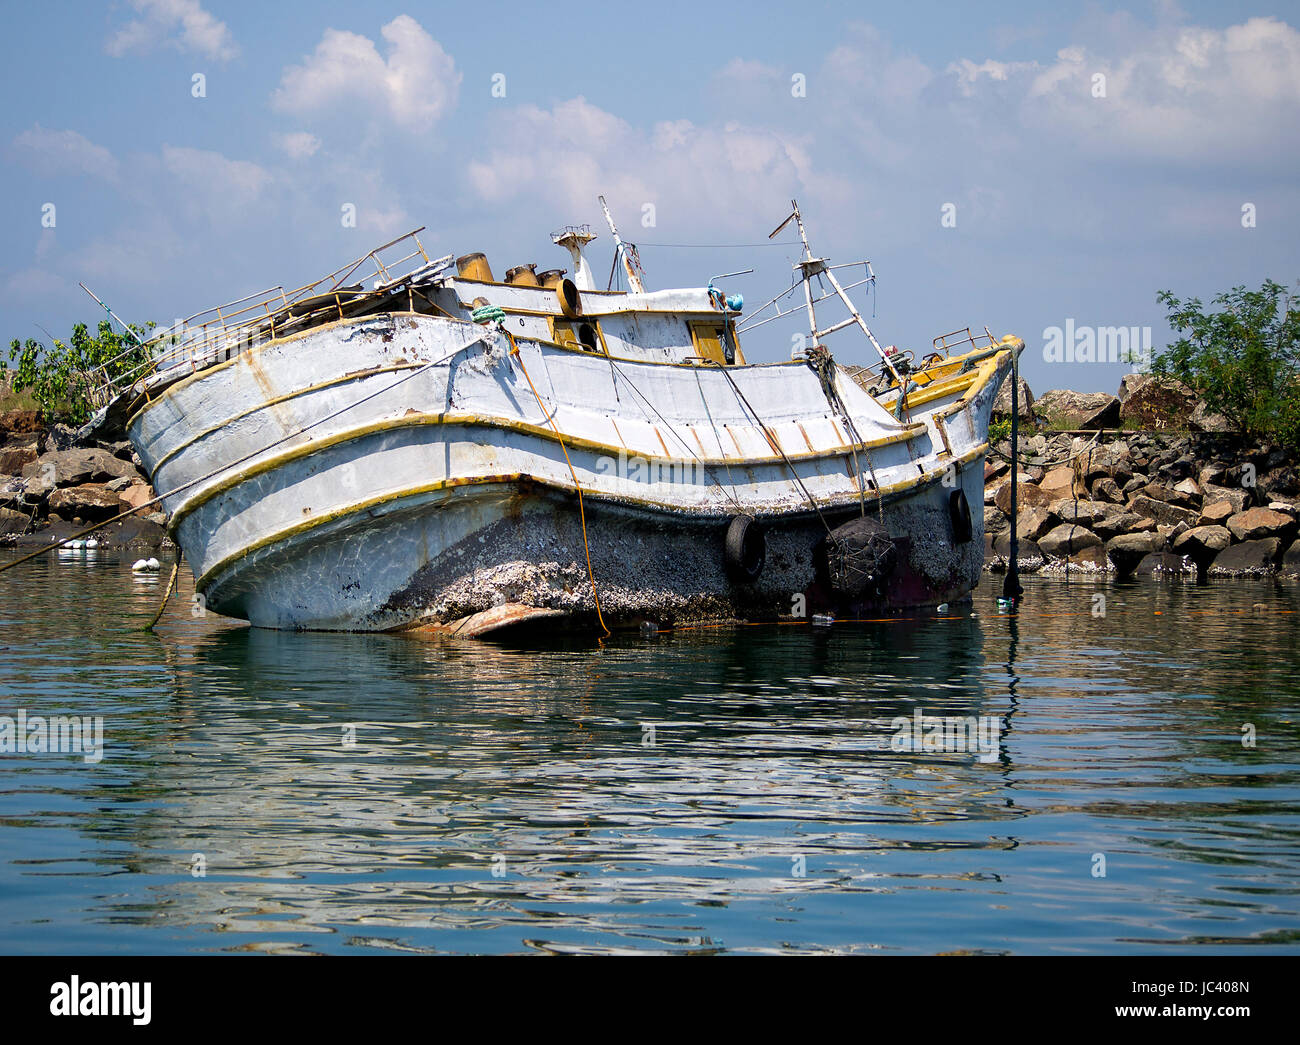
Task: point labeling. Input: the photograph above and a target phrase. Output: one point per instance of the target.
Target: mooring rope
(582, 513)
(167, 594)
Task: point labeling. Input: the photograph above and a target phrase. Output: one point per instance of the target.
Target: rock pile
(1145, 503)
(50, 486)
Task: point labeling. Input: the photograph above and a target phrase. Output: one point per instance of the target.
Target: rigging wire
(730, 495)
(794, 474)
(234, 464)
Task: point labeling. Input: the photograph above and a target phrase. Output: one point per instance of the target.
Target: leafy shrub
(62, 377)
(1242, 360)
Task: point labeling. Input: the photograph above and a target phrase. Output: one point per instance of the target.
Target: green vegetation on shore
(1243, 360)
(58, 377)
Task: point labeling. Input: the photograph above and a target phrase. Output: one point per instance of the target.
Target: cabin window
(716, 341)
(578, 333)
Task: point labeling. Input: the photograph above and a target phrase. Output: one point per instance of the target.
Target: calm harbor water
(717, 790)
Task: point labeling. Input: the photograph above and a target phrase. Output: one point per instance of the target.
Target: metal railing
(223, 331)
(945, 347)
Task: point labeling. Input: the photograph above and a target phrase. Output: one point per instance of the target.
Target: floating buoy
(145, 566)
(92, 544)
(941, 608)
(823, 620)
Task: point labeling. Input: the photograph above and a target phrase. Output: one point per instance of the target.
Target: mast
(811, 266)
(631, 263)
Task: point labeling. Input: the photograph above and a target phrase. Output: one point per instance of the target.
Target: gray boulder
(1236, 496)
(1106, 489)
(1162, 511)
(1085, 513)
(1002, 403)
(1247, 559)
(1083, 410)
(1067, 539)
(1129, 549)
(72, 468)
(1153, 402)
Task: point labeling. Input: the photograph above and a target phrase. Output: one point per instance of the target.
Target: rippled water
(501, 798)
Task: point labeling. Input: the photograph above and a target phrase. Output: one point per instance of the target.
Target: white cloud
(415, 86)
(969, 73)
(725, 177)
(873, 74)
(215, 178)
(1178, 92)
(298, 145)
(181, 23)
(31, 284)
(64, 152)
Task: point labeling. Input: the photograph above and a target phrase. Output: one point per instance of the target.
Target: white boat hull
(367, 475)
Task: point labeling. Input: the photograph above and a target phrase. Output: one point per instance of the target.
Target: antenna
(125, 325)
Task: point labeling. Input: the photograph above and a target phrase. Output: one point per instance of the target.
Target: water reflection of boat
(371, 796)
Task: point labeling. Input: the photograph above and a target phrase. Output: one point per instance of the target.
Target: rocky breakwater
(51, 487)
(1201, 501)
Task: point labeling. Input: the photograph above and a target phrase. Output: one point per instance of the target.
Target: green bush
(61, 377)
(1242, 360)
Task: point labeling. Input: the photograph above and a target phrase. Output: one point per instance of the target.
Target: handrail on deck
(943, 345)
(188, 341)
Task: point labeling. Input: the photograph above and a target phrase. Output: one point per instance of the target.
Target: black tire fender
(959, 512)
(745, 550)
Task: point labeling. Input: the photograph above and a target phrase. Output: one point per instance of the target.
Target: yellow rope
(171, 586)
(582, 514)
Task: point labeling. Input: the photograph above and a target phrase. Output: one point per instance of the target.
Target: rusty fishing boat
(411, 443)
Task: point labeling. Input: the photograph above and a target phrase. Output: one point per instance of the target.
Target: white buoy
(145, 566)
(92, 544)
(76, 546)
(154, 565)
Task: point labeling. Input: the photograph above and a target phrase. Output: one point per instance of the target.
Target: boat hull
(439, 558)
(406, 472)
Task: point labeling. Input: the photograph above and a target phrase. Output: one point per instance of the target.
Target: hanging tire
(959, 512)
(745, 550)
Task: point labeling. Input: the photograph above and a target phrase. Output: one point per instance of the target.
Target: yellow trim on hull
(912, 431)
(354, 376)
(845, 501)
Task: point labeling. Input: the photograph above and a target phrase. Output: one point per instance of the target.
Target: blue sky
(1068, 205)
